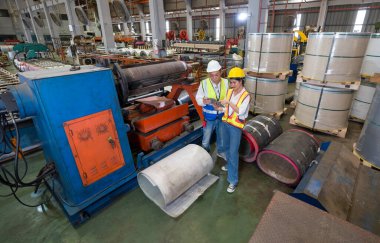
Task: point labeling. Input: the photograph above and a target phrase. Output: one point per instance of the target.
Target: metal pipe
(368, 144)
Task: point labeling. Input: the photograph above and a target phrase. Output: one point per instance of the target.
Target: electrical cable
(13, 181)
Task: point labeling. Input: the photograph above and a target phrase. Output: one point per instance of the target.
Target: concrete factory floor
(215, 217)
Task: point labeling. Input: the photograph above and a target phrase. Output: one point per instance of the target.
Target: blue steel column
(157, 20)
(106, 25)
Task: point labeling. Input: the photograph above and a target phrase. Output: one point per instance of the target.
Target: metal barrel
(269, 52)
(368, 144)
(362, 100)
(288, 157)
(257, 133)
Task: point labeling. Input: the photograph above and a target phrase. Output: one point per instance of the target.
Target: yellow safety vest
(234, 119)
(209, 113)
(211, 91)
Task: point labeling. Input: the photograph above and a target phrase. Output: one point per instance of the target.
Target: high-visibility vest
(209, 113)
(234, 119)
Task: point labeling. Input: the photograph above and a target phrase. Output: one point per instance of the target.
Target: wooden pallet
(355, 119)
(375, 78)
(276, 115)
(275, 75)
(362, 160)
(338, 132)
(354, 85)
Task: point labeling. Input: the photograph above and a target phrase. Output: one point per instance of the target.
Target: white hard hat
(213, 66)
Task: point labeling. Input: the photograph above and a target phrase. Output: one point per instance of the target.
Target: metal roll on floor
(371, 62)
(257, 133)
(176, 181)
(269, 52)
(335, 57)
(323, 108)
(362, 100)
(267, 95)
(368, 144)
(287, 157)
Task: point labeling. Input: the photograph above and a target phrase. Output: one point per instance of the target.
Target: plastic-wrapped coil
(297, 89)
(269, 52)
(170, 178)
(267, 95)
(323, 108)
(368, 144)
(362, 100)
(371, 62)
(288, 157)
(335, 57)
(257, 133)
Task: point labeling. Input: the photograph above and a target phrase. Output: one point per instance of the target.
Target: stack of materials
(371, 65)
(268, 61)
(6, 79)
(330, 75)
(367, 147)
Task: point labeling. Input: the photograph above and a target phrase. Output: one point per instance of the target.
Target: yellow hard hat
(236, 73)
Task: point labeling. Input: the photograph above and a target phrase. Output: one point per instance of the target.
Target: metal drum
(335, 57)
(269, 52)
(267, 95)
(287, 157)
(258, 133)
(362, 100)
(369, 141)
(323, 108)
(371, 62)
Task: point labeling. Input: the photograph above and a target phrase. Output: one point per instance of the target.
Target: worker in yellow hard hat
(235, 112)
(210, 92)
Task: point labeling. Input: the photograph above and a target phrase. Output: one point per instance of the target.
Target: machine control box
(95, 145)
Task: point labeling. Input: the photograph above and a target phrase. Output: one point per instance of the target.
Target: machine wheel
(156, 144)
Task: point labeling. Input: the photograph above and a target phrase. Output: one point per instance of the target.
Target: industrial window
(359, 20)
(167, 26)
(4, 13)
(217, 24)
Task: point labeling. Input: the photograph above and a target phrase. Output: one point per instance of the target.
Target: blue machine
(78, 119)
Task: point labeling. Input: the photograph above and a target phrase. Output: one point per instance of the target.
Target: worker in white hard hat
(211, 91)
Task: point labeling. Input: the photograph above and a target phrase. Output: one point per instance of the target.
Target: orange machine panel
(150, 123)
(95, 145)
(162, 134)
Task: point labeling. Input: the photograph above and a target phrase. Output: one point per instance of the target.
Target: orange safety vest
(234, 119)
